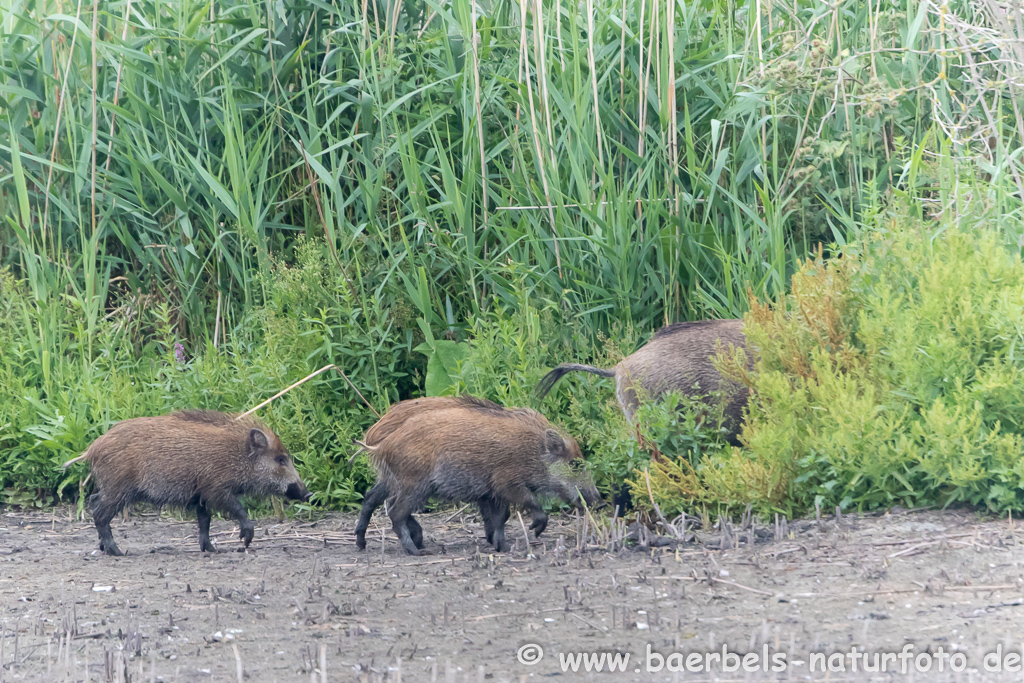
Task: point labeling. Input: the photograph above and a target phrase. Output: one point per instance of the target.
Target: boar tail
(71, 462)
(362, 447)
(549, 380)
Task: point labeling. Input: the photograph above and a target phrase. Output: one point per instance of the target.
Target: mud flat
(304, 605)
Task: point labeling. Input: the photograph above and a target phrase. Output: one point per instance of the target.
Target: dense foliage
(201, 203)
(894, 375)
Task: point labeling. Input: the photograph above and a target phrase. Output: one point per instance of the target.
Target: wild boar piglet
(195, 459)
(465, 449)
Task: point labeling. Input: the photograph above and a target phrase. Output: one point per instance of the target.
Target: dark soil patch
(930, 580)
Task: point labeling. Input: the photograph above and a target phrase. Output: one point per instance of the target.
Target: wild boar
(467, 449)
(402, 411)
(394, 418)
(677, 357)
(195, 459)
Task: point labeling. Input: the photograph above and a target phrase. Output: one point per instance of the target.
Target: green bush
(53, 406)
(434, 218)
(892, 375)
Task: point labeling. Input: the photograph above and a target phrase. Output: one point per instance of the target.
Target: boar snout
(297, 491)
(590, 496)
(575, 485)
(582, 485)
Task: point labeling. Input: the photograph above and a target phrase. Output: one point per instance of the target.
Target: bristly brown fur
(467, 449)
(479, 404)
(213, 417)
(193, 459)
(679, 357)
(398, 413)
(680, 326)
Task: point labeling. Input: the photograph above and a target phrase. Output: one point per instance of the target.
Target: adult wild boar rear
(197, 460)
(678, 358)
(468, 449)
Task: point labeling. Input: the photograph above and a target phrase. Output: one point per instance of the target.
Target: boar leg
(371, 501)
(102, 512)
(501, 513)
(524, 496)
(400, 514)
(415, 531)
(203, 518)
(487, 514)
(234, 507)
(495, 513)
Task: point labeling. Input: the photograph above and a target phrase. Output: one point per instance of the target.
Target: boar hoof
(539, 525)
(207, 547)
(246, 533)
(110, 548)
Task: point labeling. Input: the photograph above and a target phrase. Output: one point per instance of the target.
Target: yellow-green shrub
(891, 375)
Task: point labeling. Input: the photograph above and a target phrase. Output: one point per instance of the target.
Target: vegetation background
(203, 202)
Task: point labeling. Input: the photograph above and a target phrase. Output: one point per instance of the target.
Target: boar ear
(554, 445)
(257, 441)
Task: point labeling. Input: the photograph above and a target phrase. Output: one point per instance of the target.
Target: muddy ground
(304, 596)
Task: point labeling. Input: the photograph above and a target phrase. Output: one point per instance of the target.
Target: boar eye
(281, 460)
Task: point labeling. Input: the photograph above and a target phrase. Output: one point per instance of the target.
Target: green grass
(317, 173)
